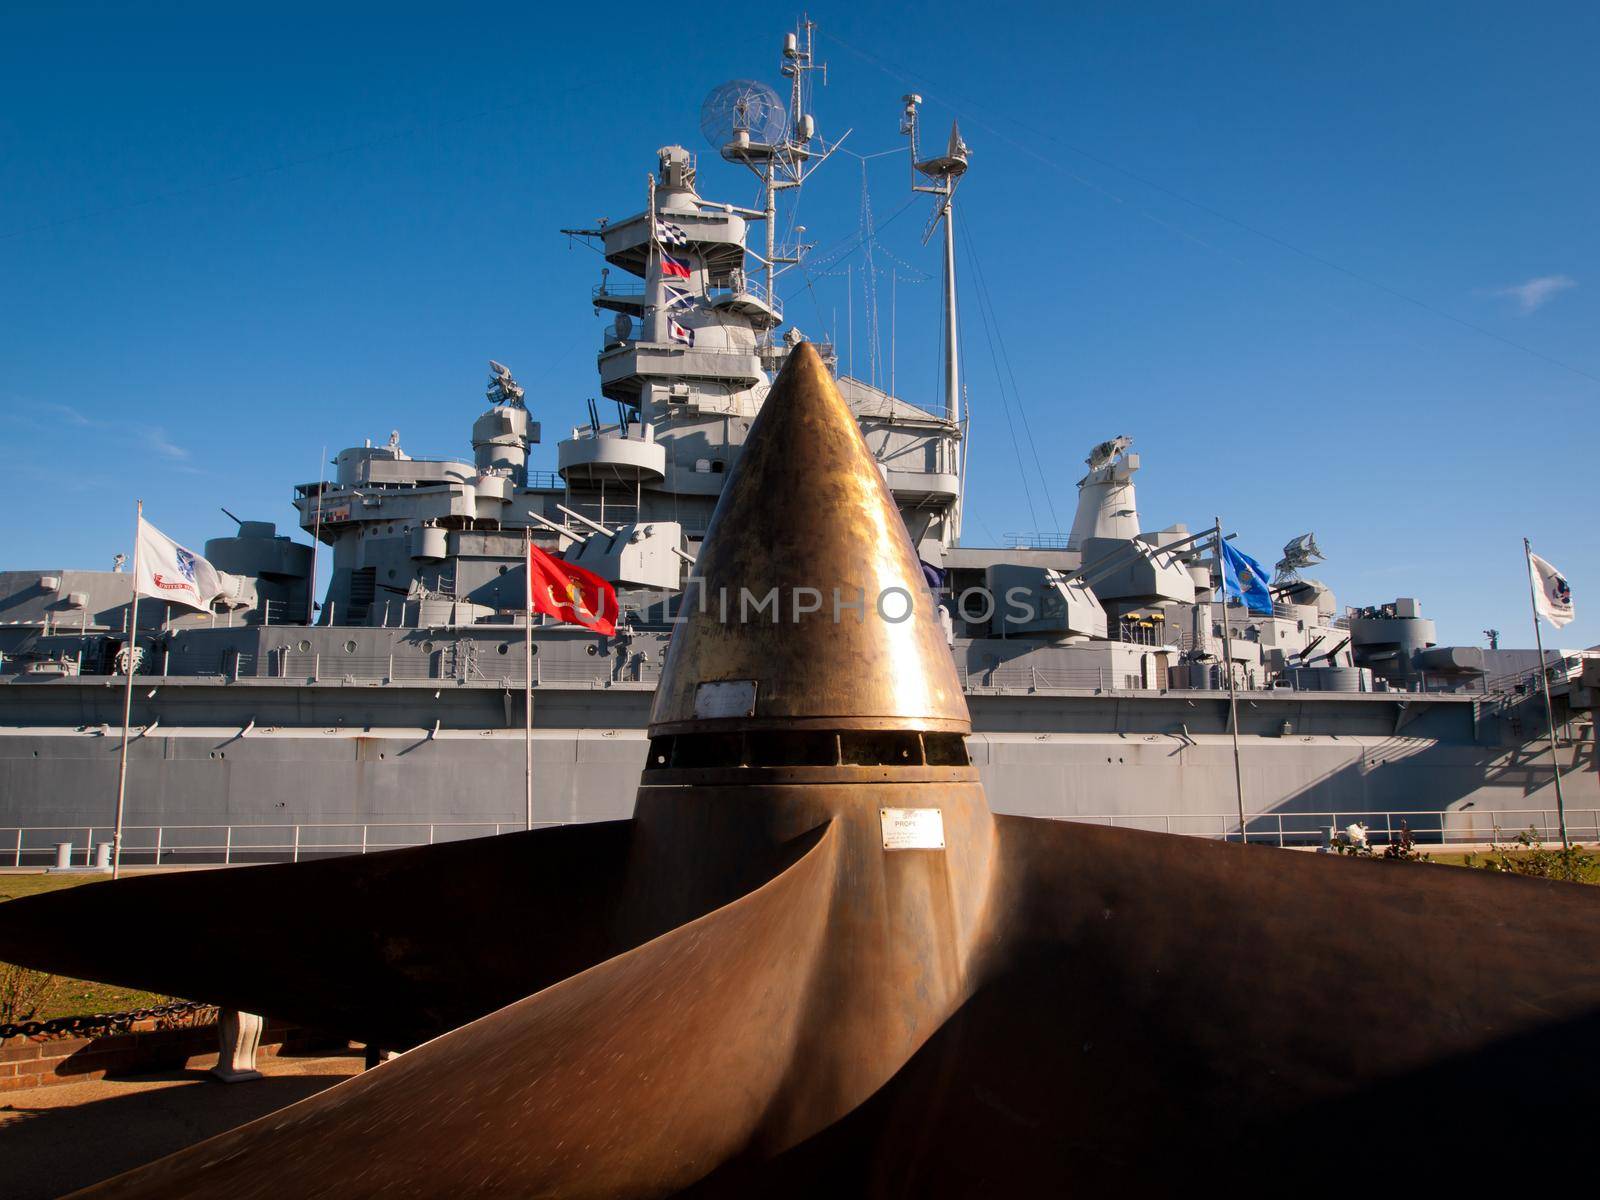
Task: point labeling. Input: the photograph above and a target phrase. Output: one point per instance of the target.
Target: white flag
(1552, 598)
(168, 571)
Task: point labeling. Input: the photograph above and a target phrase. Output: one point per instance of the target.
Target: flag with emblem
(569, 593)
(1245, 580)
(679, 332)
(1552, 597)
(168, 571)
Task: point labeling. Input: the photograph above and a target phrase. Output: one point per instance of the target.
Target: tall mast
(943, 174)
(952, 360)
(777, 141)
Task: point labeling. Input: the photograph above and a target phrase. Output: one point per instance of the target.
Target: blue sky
(1333, 268)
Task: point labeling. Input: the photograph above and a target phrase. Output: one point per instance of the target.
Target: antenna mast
(751, 125)
(943, 174)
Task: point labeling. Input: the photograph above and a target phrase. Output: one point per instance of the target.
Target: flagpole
(1233, 700)
(127, 692)
(316, 541)
(527, 672)
(1549, 709)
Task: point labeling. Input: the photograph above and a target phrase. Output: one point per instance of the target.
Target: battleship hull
(276, 769)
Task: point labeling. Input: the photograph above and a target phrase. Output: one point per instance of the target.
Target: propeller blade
(391, 948)
(1155, 1002)
(633, 1078)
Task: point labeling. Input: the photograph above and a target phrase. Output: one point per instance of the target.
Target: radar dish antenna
(1302, 551)
(1107, 452)
(741, 116)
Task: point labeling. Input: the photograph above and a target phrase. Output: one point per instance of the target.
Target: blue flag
(1243, 579)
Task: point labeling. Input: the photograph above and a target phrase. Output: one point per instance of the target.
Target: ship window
(304, 645)
(718, 466)
(350, 646)
(881, 747)
(502, 648)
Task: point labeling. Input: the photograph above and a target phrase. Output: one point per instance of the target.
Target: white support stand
(238, 1037)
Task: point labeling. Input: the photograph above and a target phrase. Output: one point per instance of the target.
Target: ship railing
(1030, 541)
(1074, 679)
(193, 845)
(738, 284)
(1291, 829)
(1561, 670)
(634, 431)
(335, 667)
(617, 290)
(1106, 681)
(184, 845)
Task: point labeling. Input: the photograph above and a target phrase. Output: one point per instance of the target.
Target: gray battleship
(391, 710)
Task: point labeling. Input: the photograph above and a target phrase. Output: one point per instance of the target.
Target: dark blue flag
(1243, 579)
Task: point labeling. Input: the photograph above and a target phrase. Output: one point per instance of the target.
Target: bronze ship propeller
(814, 963)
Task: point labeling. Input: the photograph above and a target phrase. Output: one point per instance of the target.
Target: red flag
(569, 593)
(673, 266)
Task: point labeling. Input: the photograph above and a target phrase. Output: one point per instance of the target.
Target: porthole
(350, 646)
(592, 649)
(503, 648)
(305, 645)
(427, 647)
(502, 570)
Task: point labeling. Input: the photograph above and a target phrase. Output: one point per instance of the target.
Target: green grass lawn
(22, 990)
(1478, 859)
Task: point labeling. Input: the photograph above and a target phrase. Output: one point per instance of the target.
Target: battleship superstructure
(1095, 665)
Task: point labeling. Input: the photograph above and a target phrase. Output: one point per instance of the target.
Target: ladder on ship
(363, 591)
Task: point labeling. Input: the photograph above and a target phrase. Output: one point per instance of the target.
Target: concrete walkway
(54, 1140)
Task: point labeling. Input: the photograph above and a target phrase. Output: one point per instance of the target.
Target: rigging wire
(986, 300)
(967, 114)
(1005, 400)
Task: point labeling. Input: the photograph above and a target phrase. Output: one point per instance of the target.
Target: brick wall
(152, 1044)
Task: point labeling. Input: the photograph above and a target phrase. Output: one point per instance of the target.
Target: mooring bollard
(238, 1037)
(63, 855)
(102, 855)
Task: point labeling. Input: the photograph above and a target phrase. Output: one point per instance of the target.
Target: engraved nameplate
(912, 828)
(725, 698)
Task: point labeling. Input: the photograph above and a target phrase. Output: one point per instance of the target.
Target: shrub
(23, 992)
(1530, 856)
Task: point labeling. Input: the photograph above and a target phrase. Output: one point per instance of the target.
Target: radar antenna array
(749, 123)
(1106, 452)
(1302, 551)
(744, 113)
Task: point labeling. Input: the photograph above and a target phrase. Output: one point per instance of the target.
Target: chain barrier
(166, 1016)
